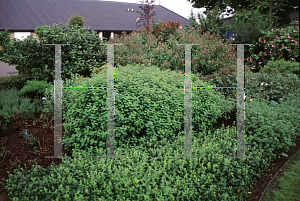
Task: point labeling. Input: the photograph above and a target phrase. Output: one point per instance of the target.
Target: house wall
(107, 34)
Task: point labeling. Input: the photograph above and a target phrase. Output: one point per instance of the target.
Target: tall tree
(280, 9)
(147, 13)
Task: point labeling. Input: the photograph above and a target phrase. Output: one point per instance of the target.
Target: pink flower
(259, 39)
(271, 29)
(271, 82)
(266, 84)
(180, 27)
(270, 52)
(296, 43)
(273, 45)
(296, 55)
(294, 31)
(259, 62)
(282, 45)
(250, 99)
(264, 41)
(280, 50)
(229, 101)
(45, 67)
(262, 83)
(289, 50)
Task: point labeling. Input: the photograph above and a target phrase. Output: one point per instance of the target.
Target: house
(22, 17)
(294, 16)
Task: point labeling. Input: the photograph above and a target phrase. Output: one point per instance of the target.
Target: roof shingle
(26, 15)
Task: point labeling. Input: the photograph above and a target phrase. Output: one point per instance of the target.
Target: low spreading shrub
(150, 171)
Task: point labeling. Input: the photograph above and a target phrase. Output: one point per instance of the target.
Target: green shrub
(33, 88)
(272, 86)
(76, 21)
(35, 59)
(272, 127)
(12, 81)
(143, 47)
(11, 103)
(275, 45)
(4, 40)
(40, 31)
(262, 85)
(283, 67)
(151, 171)
(149, 101)
(147, 172)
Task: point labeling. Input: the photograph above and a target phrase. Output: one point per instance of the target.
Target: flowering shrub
(143, 47)
(276, 44)
(162, 31)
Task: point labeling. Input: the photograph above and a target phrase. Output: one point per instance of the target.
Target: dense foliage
(275, 45)
(76, 21)
(149, 102)
(36, 60)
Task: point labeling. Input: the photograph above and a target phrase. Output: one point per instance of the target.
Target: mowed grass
(287, 186)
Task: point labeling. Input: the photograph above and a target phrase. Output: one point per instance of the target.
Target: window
(21, 35)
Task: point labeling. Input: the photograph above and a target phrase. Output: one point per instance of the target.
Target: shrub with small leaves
(76, 21)
(33, 88)
(282, 66)
(40, 31)
(149, 102)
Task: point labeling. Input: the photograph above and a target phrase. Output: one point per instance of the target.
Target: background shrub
(268, 86)
(76, 21)
(282, 66)
(142, 47)
(4, 40)
(40, 30)
(35, 59)
(162, 31)
(275, 45)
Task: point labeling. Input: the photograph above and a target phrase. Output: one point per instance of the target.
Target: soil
(14, 142)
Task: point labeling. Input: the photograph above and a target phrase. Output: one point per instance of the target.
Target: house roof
(26, 15)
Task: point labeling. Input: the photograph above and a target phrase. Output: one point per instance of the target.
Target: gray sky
(181, 7)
